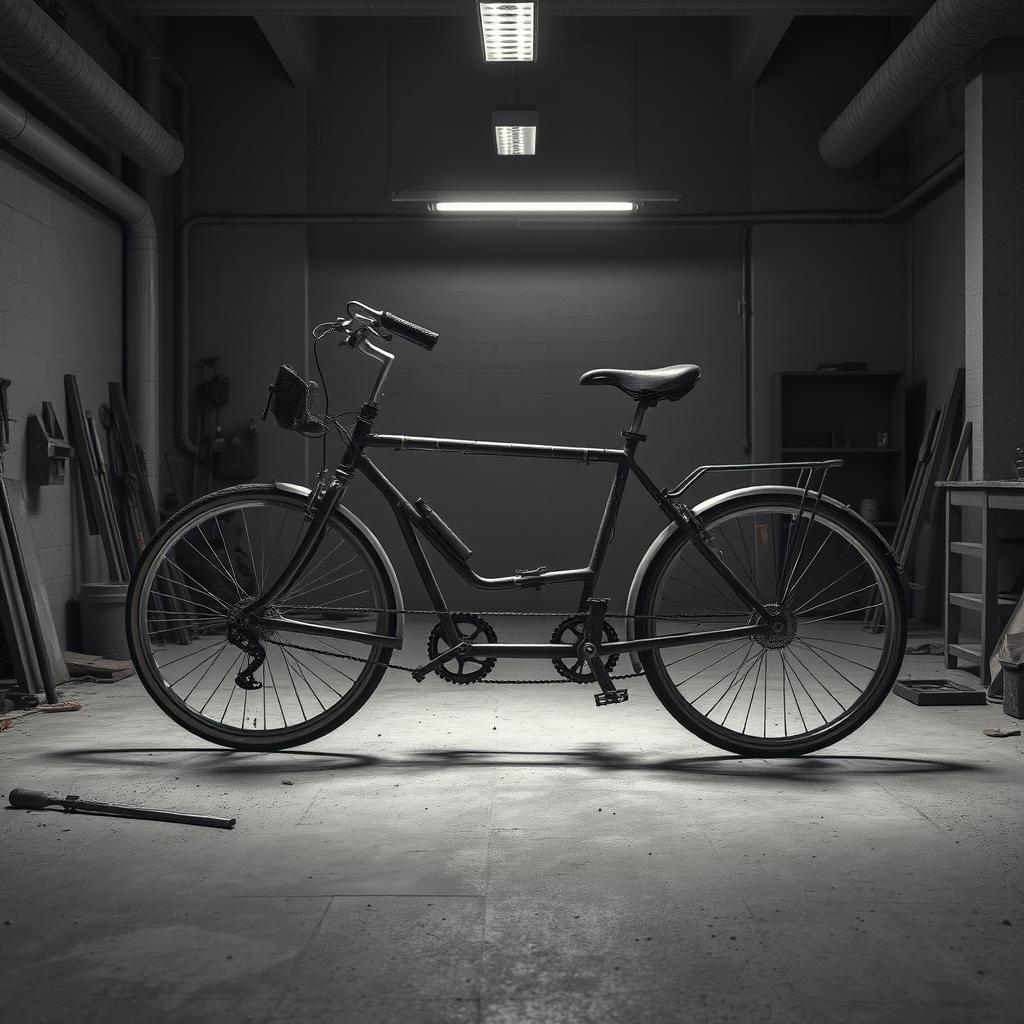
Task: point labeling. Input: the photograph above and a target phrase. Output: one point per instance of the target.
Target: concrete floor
(514, 854)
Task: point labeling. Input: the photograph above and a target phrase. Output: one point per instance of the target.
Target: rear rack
(804, 480)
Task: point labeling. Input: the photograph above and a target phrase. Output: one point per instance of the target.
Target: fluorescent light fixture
(535, 206)
(508, 31)
(536, 202)
(515, 131)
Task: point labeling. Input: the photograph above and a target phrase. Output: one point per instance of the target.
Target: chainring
(471, 628)
(571, 630)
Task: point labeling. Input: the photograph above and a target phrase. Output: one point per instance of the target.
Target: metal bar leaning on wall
(98, 513)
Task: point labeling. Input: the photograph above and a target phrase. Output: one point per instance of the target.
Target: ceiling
(465, 8)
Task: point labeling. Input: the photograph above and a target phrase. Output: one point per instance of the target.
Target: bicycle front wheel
(798, 687)
(212, 558)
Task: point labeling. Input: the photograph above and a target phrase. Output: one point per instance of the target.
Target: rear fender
(710, 505)
(358, 527)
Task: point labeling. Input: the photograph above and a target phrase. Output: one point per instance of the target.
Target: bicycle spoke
(820, 652)
(825, 604)
(778, 689)
(230, 550)
(811, 673)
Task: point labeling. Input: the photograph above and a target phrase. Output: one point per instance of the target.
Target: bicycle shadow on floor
(811, 768)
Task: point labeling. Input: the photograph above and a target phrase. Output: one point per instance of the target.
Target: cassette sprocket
(463, 668)
(571, 630)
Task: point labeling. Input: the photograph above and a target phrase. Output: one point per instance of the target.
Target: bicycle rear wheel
(210, 559)
(785, 692)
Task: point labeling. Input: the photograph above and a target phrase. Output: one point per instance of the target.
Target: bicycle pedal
(612, 697)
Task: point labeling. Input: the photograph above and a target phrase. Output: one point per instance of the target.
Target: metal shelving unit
(988, 498)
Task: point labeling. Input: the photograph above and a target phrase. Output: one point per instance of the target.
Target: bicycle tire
(195, 515)
(881, 564)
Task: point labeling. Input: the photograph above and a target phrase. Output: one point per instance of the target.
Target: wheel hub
(779, 630)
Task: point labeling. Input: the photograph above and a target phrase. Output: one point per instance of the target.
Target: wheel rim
(807, 674)
(205, 570)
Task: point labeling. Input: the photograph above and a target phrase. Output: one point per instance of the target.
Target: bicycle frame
(414, 524)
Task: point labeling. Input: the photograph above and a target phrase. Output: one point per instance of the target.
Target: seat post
(638, 422)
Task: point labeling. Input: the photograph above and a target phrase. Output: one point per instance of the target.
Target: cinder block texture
(60, 312)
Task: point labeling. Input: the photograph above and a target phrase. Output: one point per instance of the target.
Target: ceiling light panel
(515, 132)
(508, 31)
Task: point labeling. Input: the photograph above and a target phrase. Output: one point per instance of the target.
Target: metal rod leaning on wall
(944, 176)
(97, 513)
(106, 496)
(18, 590)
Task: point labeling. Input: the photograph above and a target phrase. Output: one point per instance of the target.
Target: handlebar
(382, 324)
(409, 331)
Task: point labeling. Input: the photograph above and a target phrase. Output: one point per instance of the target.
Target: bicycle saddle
(648, 386)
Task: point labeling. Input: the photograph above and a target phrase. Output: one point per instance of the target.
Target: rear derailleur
(245, 633)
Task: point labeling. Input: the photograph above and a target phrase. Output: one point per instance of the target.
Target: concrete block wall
(60, 312)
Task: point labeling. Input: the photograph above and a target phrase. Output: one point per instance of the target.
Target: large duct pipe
(54, 62)
(949, 33)
(47, 148)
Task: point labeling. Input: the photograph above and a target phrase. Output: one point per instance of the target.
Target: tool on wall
(47, 450)
(27, 622)
(212, 394)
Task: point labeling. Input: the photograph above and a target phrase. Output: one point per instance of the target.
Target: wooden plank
(963, 448)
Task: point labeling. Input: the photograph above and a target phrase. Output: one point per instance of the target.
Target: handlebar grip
(411, 332)
(31, 799)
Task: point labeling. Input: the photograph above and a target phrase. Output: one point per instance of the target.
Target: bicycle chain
(492, 682)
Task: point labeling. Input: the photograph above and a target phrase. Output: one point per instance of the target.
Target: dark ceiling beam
(754, 41)
(447, 8)
(293, 44)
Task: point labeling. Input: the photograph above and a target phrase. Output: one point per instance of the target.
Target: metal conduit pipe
(55, 63)
(929, 187)
(949, 33)
(48, 149)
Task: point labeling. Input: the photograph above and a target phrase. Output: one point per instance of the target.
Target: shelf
(968, 548)
(841, 451)
(969, 652)
(1004, 602)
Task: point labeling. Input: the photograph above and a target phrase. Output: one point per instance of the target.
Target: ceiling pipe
(47, 148)
(50, 59)
(936, 47)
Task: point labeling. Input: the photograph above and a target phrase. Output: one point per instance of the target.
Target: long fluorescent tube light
(508, 31)
(515, 131)
(535, 206)
(533, 201)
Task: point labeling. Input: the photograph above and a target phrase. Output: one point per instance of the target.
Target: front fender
(358, 527)
(709, 505)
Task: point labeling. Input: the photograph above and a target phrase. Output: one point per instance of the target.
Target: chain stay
(493, 682)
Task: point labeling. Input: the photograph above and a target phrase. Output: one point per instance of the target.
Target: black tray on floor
(938, 692)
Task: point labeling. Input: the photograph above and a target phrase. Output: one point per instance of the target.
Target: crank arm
(423, 671)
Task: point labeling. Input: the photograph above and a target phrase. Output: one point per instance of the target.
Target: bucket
(101, 607)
